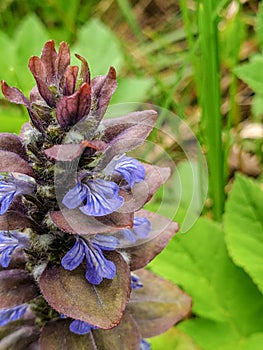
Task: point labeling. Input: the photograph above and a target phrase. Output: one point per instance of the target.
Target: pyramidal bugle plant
(74, 236)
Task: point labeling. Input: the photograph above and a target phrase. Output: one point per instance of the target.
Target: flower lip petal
(130, 169)
(80, 327)
(141, 229)
(12, 314)
(74, 257)
(75, 196)
(102, 198)
(98, 267)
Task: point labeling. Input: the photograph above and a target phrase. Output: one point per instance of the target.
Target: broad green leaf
(132, 90)
(226, 302)
(257, 105)
(99, 46)
(220, 336)
(69, 293)
(29, 40)
(244, 227)
(259, 25)
(174, 339)
(12, 118)
(7, 60)
(252, 73)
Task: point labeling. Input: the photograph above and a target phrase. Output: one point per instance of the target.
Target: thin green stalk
(129, 16)
(211, 102)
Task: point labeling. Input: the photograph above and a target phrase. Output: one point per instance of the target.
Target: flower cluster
(74, 235)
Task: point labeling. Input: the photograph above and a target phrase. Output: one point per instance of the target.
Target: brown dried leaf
(16, 287)
(69, 293)
(158, 305)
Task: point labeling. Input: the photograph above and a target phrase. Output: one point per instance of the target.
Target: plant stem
(211, 102)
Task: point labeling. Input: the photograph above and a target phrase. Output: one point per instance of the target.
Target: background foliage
(202, 60)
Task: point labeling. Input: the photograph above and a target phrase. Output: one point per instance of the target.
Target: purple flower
(136, 282)
(130, 169)
(9, 241)
(141, 229)
(144, 345)
(91, 248)
(11, 186)
(100, 197)
(81, 327)
(12, 314)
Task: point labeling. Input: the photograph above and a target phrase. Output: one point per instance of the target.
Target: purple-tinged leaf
(62, 60)
(126, 336)
(75, 222)
(21, 338)
(69, 152)
(69, 293)
(69, 80)
(84, 72)
(158, 305)
(162, 231)
(14, 95)
(13, 220)
(128, 132)
(48, 57)
(44, 91)
(12, 162)
(16, 287)
(57, 336)
(64, 153)
(102, 91)
(143, 191)
(18, 260)
(12, 143)
(37, 68)
(71, 109)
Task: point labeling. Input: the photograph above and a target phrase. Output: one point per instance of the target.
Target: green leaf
(28, 41)
(132, 90)
(69, 293)
(174, 339)
(244, 227)
(252, 73)
(259, 25)
(99, 46)
(7, 59)
(227, 304)
(11, 118)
